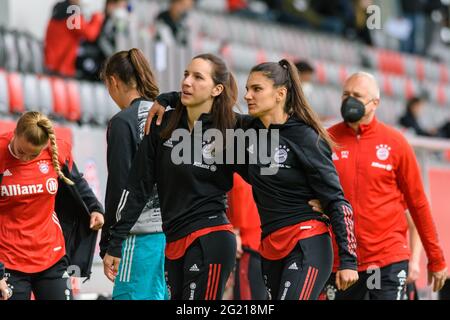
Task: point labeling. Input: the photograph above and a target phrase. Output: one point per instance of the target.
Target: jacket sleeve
(315, 156)
(135, 196)
(410, 183)
(2, 270)
(120, 151)
(90, 30)
(169, 99)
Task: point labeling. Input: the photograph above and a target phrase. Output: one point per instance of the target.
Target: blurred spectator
(250, 9)
(439, 35)
(63, 36)
(170, 24)
(414, 13)
(409, 120)
(328, 16)
(306, 73)
(357, 21)
(92, 54)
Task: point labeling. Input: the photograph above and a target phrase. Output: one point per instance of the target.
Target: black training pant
(50, 284)
(303, 273)
(201, 274)
(386, 283)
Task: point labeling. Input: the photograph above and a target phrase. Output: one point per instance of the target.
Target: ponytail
(145, 81)
(133, 69)
(284, 73)
(38, 130)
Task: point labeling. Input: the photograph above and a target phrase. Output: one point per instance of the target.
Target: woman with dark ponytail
(139, 275)
(296, 245)
(201, 245)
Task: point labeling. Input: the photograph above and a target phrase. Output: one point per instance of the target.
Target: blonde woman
(43, 233)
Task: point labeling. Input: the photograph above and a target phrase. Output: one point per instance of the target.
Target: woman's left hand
(97, 221)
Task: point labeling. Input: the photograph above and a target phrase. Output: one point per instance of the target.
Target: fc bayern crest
(383, 152)
(281, 154)
(43, 167)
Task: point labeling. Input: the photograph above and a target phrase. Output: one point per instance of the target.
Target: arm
(159, 107)
(90, 30)
(4, 290)
(120, 150)
(134, 197)
(416, 250)
(316, 156)
(410, 183)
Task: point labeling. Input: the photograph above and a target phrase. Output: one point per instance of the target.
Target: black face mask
(352, 110)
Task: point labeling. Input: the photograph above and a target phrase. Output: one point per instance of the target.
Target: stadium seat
(60, 98)
(12, 57)
(101, 104)
(87, 100)
(4, 93)
(16, 95)
(217, 5)
(23, 50)
(73, 94)
(2, 49)
(45, 95)
(31, 92)
(37, 55)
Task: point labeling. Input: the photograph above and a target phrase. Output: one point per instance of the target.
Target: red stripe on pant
(305, 283)
(313, 282)
(213, 281)
(309, 283)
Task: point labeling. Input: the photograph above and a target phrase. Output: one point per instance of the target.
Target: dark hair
(412, 102)
(222, 108)
(303, 66)
(133, 69)
(285, 74)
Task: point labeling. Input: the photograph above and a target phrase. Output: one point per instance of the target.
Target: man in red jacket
(64, 32)
(379, 173)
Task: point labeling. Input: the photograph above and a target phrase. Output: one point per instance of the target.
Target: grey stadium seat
(31, 92)
(4, 95)
(87, 102)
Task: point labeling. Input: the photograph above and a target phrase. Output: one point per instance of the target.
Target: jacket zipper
(358, 137)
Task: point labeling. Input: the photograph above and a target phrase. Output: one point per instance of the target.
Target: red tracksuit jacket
(243, 213)
(379, 174)
(31, 236)
(62, 39)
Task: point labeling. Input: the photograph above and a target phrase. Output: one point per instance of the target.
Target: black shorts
(51, 284)
(248, 277)
(303, 273)
(201, 274)
(386, 283)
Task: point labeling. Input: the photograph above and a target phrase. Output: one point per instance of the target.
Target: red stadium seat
(391, 62)
(60, 98)
(73, 94)
(16, 97)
